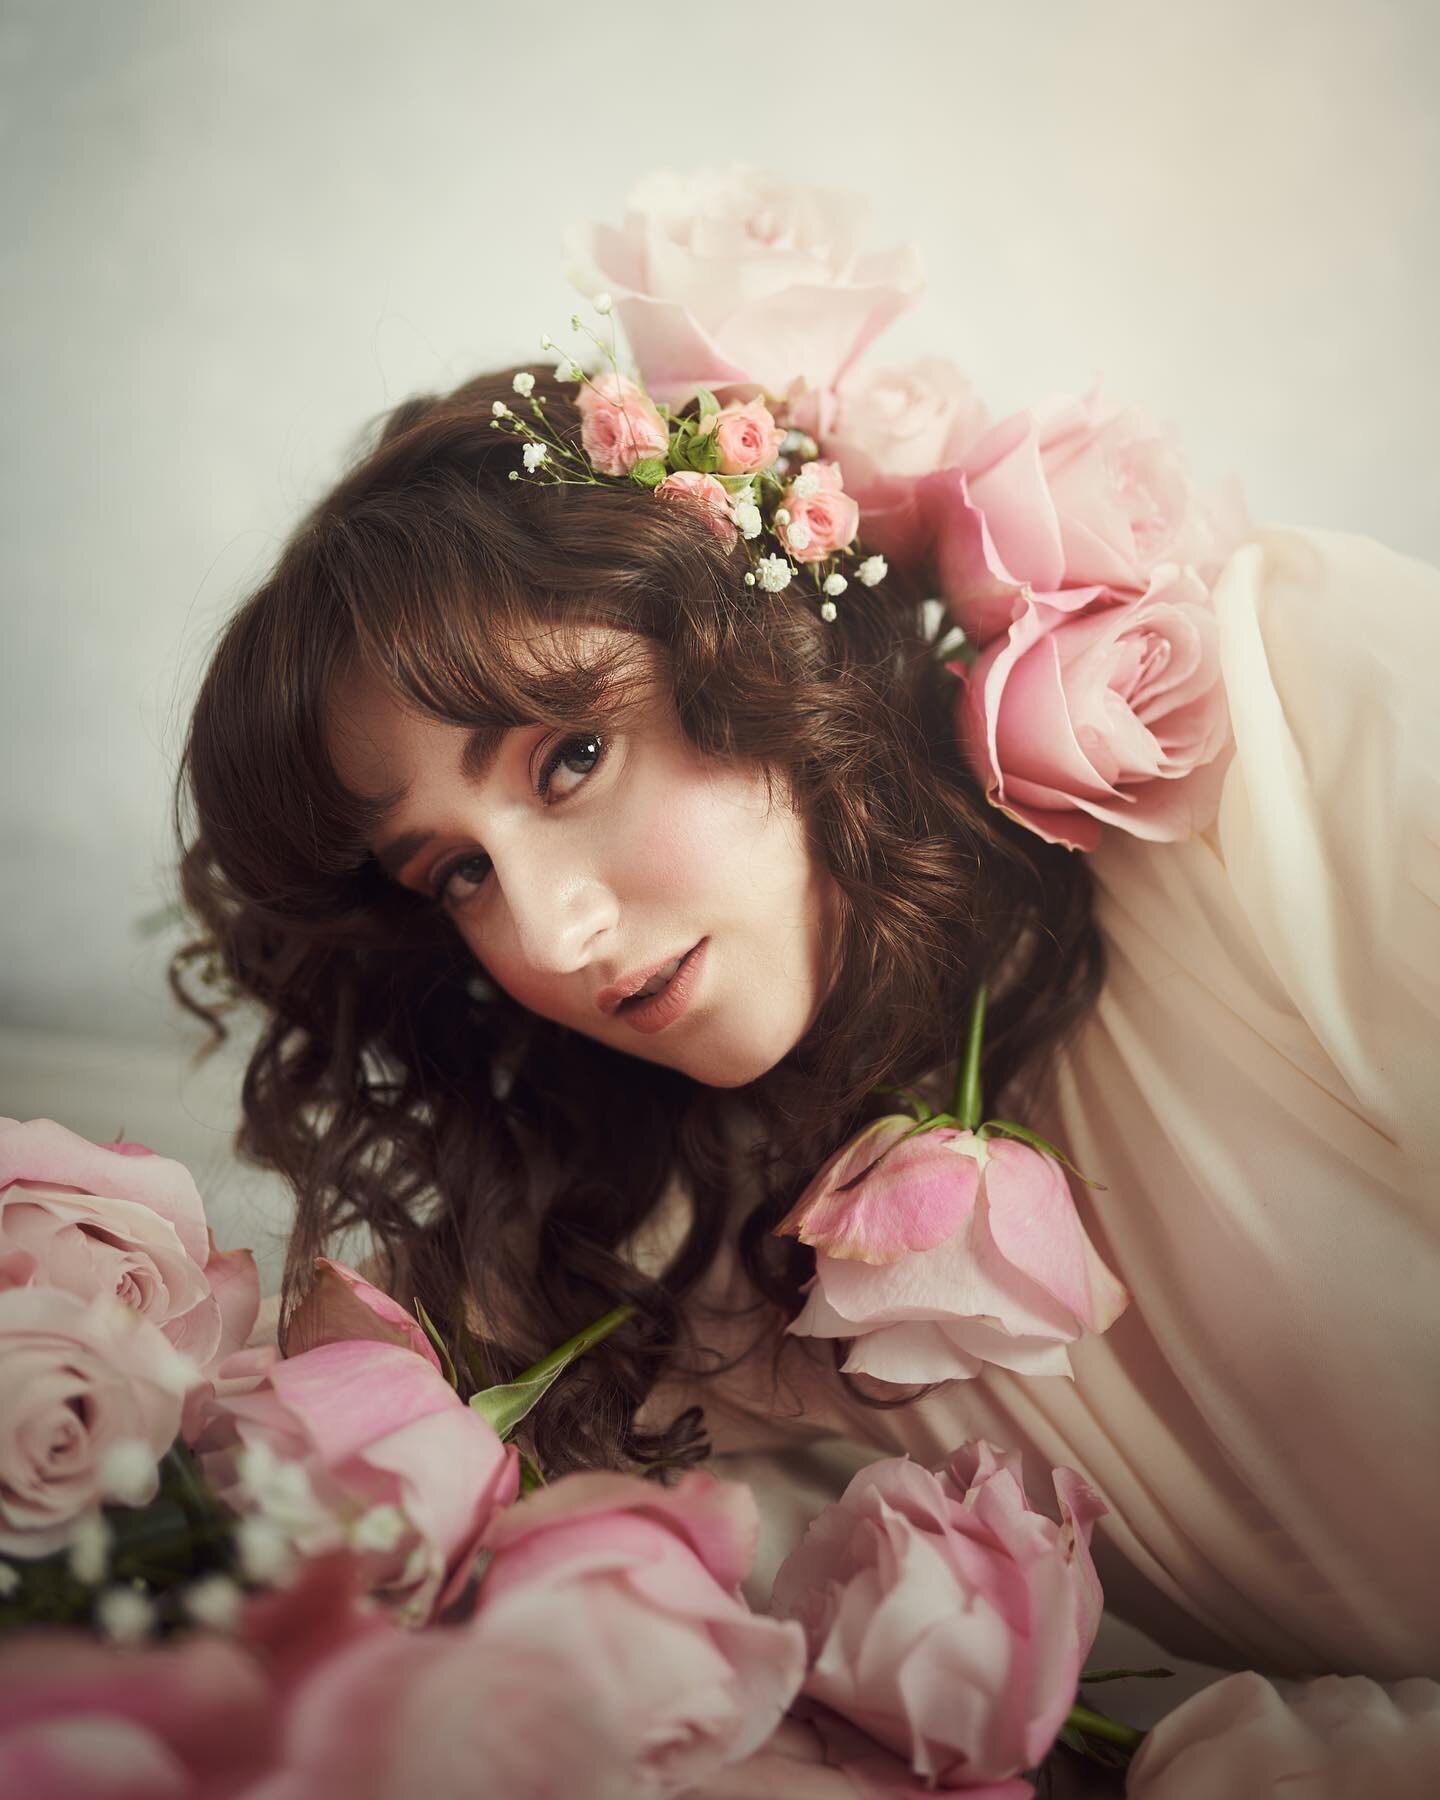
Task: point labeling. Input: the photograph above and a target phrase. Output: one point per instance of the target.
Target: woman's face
(582, 866)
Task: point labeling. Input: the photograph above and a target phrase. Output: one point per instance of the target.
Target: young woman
(591, 893)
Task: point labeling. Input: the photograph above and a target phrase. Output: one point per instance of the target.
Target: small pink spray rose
(619, 425)
(941, 1251)
(746, 436)
(823, 517)
(945, 1617)
(705, 492)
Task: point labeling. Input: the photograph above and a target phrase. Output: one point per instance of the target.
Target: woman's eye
(462, 879)
(568, 764)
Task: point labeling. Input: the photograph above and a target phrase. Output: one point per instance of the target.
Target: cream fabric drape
(1257, 1090)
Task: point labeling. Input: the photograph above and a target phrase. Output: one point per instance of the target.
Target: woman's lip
(665, 1008)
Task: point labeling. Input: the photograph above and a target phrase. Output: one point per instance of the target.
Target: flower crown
(1070, 553)
(759, 484)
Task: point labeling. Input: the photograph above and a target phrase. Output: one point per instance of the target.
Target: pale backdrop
(233, 233)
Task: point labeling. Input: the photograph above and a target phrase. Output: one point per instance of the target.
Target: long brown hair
(501, 1162)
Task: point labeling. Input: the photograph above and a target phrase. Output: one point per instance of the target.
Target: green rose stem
(1096, 1725)
(966, 1106)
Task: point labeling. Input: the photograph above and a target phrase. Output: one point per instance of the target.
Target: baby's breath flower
(214, 1601)
(872, 571)
(773, 573)
(603, 304)
(801, 444)
(500, 409)
(9, 1580)
(533, 455)
(835, 584)
(89, 1557)
(569, 370)
(803, 486)
(747, 519)
(379, 1529)
(749, 580)
(782, 515)
(548, 343)
(524, 384)
(827, 611)
(127, 1472)
(514, 474)
(266, 1555)
(124, 1615)
(798, 536)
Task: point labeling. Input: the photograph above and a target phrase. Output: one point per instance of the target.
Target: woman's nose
(560, 915)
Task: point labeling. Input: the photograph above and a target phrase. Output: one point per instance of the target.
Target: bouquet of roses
(224, 1571)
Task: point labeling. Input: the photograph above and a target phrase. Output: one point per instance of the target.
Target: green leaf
(530, 1476)
(446, 1365)
(709, 405)
(1023, 1134)
(505, 1406)
(649, 473)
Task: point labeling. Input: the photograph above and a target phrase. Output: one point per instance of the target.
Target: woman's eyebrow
(482, 746)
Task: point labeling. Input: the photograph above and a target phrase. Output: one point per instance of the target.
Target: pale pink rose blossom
(747, 436)
(341, 1306)
(80, 1378)
(706, 493)
(1115, 715)
(117, 1219)
(1073, 493)
(943, 1616)
(951, 1252)
(610, 1655)
(734, 276)
(373, 1425)
(827, 519)
(1340, 1737)
(619, 426)
(888, 428)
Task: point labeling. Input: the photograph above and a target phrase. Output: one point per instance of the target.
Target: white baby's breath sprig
(127, 1472)
(214, 1601)
(569, 370)
(782, 515)
(9, 1580)
(747, 518)
(797, 536)
(773, 574)
(500, 410)
(124, 1615)
(267, 1556)
(872, 571)
(804, 485)
(89, 1549)
(533, 455)
(547, 342)
(603, 305)
(828, 612)
(524, 384)
(835, 584)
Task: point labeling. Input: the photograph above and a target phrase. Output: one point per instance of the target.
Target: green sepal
(447, 1366)
(1023, 1134)
(709, 405)
(649, 473)
(505, 1406)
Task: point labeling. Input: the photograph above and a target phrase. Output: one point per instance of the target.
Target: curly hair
(501, 1162)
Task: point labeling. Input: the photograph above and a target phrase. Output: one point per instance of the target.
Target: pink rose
(341, 1306)
(821, 521)
(1340, 1736)
(115, 1219)
(737, 276)
(747, 436)
(187, 1721)
(609, 1656)
(1073, 493)
(619, 426)
(890, 426)
(951, 1252)
(708, 494)
(81, 1378)
(1115, 715)
(945, 1617)
(399, 1465)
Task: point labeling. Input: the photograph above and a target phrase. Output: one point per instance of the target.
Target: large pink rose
(1115, 715)
(736, 276)
(381, 1436)
(888, 427)
(80, 1378)
(943, 1616)
(1339, 1737)
(116, 1219)
(610, 1656)
(1073, 493)
(950, 1253)
(619, 426)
